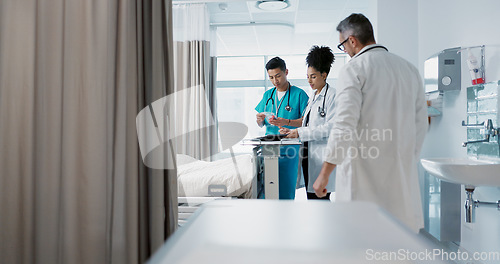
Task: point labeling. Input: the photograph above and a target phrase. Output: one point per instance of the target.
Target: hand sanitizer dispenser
(442, 71)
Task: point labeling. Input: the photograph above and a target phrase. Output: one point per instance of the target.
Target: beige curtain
(73, 76)
(193, 75)
(192, 66)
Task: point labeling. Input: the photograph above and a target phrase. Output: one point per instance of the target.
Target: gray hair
(357, 25)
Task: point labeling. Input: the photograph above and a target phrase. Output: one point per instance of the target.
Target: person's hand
(260, 118)
(278, 121)
(284, 130)
(320, 185)
(292, 133)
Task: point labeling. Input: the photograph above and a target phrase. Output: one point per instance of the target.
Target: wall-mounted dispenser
(442, 71)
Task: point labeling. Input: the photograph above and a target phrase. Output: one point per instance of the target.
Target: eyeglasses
(341, 45)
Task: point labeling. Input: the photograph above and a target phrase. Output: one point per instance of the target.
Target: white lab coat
(316, 133)
(379, 93)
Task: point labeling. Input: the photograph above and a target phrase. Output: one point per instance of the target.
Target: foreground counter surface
(267, 231)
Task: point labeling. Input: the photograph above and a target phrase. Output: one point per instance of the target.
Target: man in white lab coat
(379, 127)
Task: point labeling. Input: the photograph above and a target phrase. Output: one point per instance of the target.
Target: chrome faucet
(488, 131)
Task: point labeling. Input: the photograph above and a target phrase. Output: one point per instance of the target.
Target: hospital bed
(235, 177)
(227, 177)
(201, 181)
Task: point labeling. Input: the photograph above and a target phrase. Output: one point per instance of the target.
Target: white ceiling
(290, 31)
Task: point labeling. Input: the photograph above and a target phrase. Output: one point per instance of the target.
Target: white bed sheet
(194, 176)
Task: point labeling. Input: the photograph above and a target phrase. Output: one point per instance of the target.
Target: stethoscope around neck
(370, 48)
(321, 110)
(287, 107)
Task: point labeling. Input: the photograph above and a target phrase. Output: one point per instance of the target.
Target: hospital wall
(416, 30)
(397, 27)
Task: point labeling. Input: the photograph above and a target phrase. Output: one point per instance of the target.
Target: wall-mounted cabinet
(442, 209)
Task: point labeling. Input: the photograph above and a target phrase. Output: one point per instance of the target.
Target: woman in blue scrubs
(286, 103)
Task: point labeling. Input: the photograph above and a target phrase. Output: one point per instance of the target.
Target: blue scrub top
(298, 103)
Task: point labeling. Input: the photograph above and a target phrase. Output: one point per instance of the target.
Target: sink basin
(469, 172)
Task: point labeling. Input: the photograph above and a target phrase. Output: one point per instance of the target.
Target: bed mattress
(195, 176)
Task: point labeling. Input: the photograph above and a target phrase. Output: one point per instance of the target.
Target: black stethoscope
(287, 107)
(374, 47)
(321, 110)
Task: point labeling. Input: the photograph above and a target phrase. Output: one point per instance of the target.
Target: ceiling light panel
(272, 5)
(252, 7)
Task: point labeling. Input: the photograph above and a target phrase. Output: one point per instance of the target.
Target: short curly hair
(320, 58)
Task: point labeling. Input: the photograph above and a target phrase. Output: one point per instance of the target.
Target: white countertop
(274, 231)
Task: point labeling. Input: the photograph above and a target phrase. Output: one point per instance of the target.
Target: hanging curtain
(193, 75)
(73, 76)
(156, 80)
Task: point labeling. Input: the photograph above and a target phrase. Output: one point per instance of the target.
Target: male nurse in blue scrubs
(287, 103)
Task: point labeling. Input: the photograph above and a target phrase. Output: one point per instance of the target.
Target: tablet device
(272, 137)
